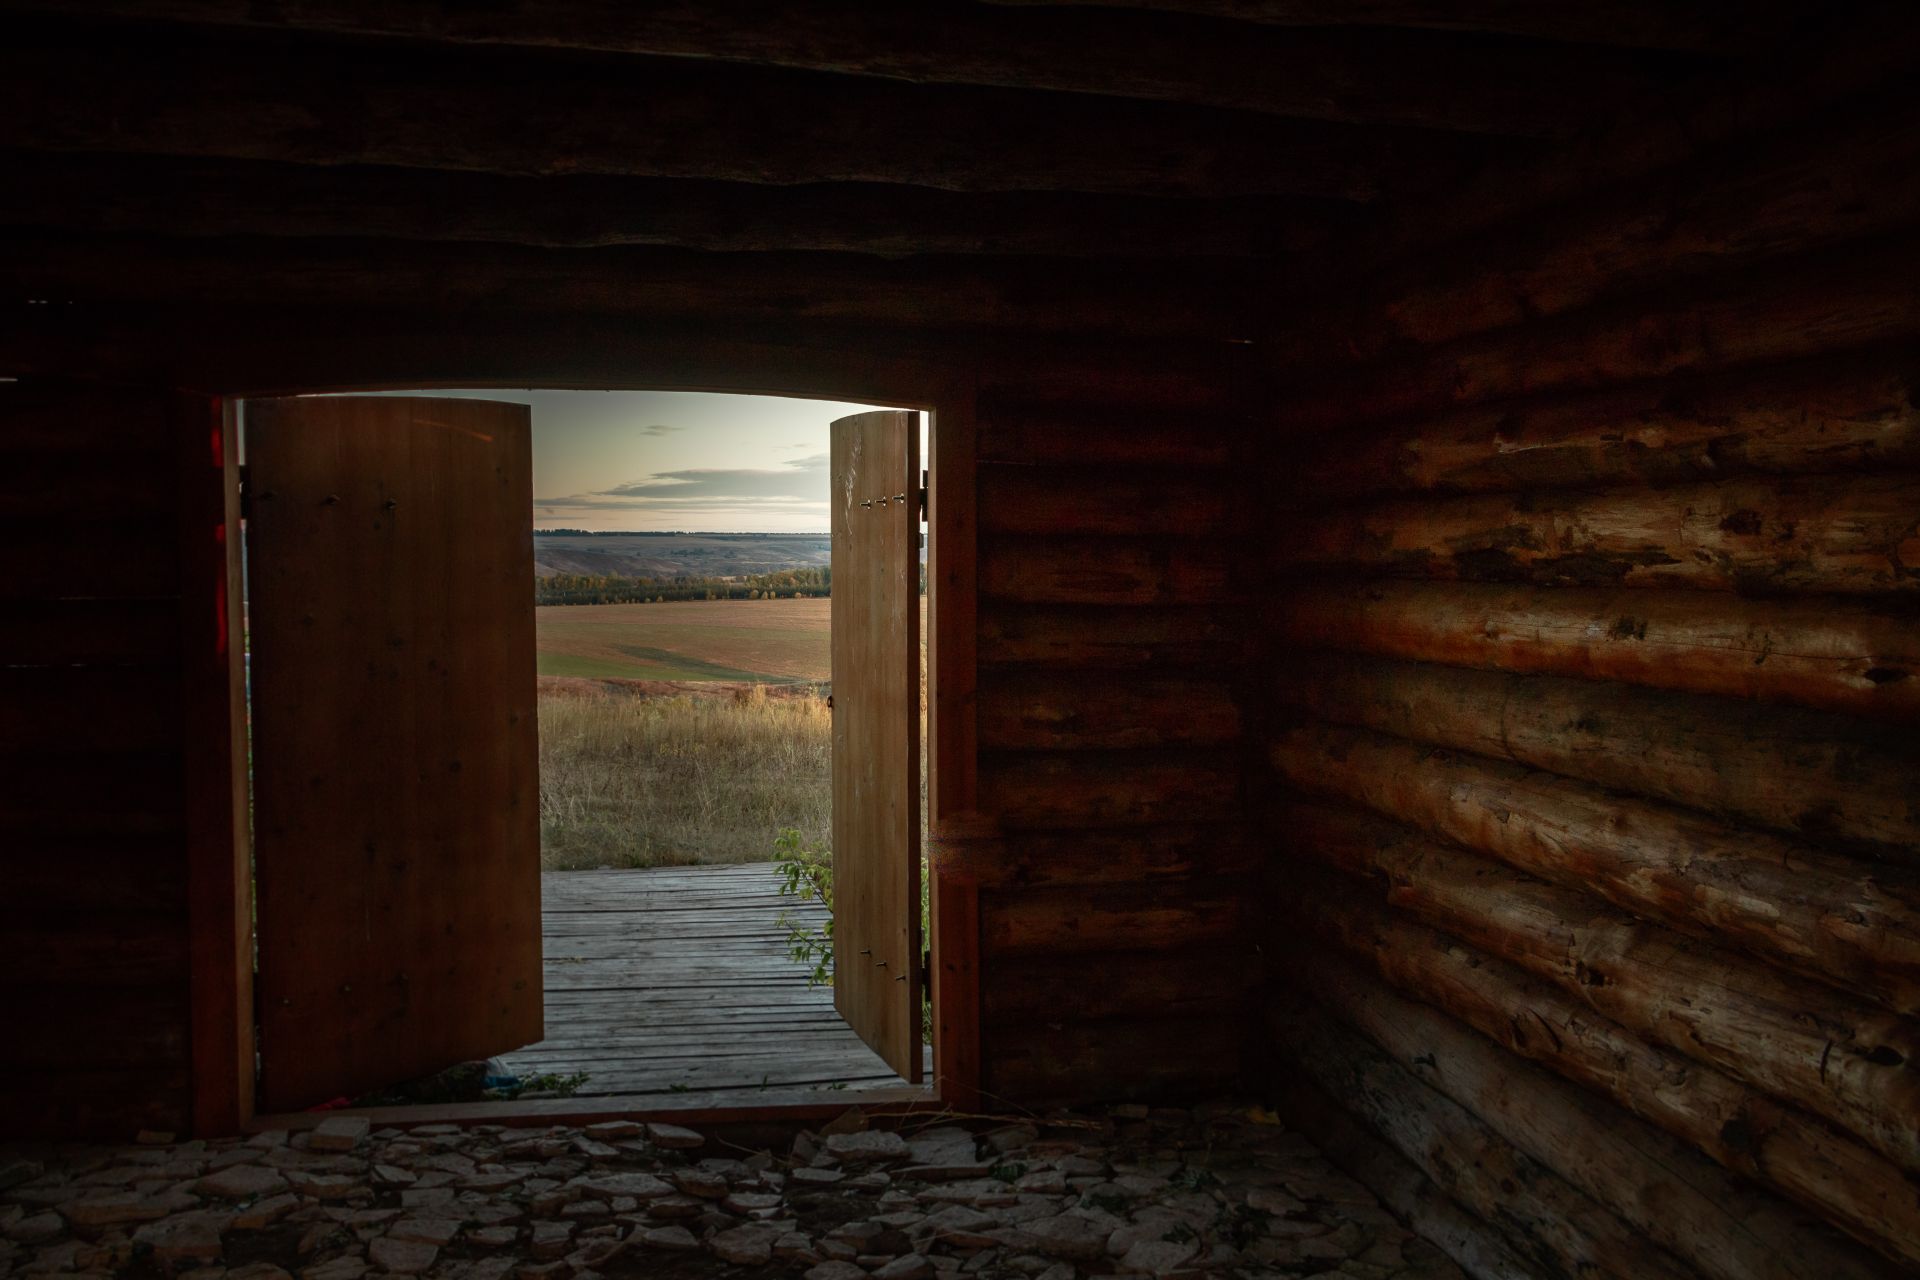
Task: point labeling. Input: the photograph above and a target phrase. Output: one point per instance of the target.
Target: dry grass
(637, 780)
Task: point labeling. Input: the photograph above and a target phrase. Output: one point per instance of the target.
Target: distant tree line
(595, 588)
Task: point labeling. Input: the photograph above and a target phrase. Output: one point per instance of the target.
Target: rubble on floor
(1121, 1191)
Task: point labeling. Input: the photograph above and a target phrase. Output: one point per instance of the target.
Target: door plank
(395, 739)
(876, 732)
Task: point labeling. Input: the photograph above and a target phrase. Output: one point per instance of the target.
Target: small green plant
(547, 1084)
(1012, 1171)
(806, 873)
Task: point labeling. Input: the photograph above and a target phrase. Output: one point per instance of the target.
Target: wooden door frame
(220, 868)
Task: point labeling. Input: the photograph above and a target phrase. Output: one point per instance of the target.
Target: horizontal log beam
(1843, 176)
(1858, 657)
(1843, 535)
(1559, 1230)
(1214, 983)
(146, 195)
(1169, 444)
(1109, 637)
(1710, 26)
(1406, 1192)
(505, 112)
(1848, 55)
(1805, 1044)
(1125, 501)
(1807, 1161)
(1859, 412)
(1167, 917)
(1055, 791)
(1815, 304)
(283, 350)
(97, 876)
(1832, 918)
(1055, 295)
(1824, 777)
(1143, 855)
(1425, 79)
(1048, 711)
(1051, 1061)
(1113, 571)
(1682, 1201)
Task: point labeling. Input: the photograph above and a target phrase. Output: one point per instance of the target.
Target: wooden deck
(676, 982)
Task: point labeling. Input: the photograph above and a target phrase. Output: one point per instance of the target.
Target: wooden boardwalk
(676, 981)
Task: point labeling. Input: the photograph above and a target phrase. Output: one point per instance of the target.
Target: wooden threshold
(694, 1110)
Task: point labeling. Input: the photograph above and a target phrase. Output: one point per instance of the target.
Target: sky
(652, 460)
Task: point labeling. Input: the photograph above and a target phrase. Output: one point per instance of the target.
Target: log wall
(1594, 864)
(105, 611)
(1115, 957)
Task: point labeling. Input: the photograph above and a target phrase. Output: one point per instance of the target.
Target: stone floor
(1219, 1191)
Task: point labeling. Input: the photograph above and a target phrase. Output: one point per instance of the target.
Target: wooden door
(876, 732)
(397, 838)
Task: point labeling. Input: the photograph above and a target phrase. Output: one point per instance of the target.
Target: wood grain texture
(1855, 413)
(1102, 638)
(1432, 80)
(674, 980)
(94, 811)
(1549, 1223)
(401, 105)
(1819, 303)
(1662, 1188)
(1805, 1044)
(1793, 905)
(1029, 569)
(953, 792)
(1083, 791)
(1824, 1169)
(171, 196)
(1050, 710)
(1139, 1057)
(1066, 920)
(1858, 657)
(875, 522)
(1839, 535)
(394, 740)
(1407, 1192)
(1844, 175)
(1833, 779)
(1062, 296)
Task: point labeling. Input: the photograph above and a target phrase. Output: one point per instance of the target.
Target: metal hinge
(923, 495)
(926, 973)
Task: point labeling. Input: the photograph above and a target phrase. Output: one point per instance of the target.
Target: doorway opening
(689, 943)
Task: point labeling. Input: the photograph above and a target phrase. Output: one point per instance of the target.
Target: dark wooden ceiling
(1138, 167)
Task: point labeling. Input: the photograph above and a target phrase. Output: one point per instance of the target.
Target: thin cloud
(793, 490)
(659, 429)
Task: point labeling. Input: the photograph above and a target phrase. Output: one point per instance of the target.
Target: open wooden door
(396, 796)
(876, 733)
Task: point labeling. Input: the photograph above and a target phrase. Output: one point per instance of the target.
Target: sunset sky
(649, 460)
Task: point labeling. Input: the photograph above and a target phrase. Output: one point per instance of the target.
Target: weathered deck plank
(676, 981)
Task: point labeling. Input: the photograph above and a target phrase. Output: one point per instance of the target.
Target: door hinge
(246, 491)
(926, 975)
(923, 496)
